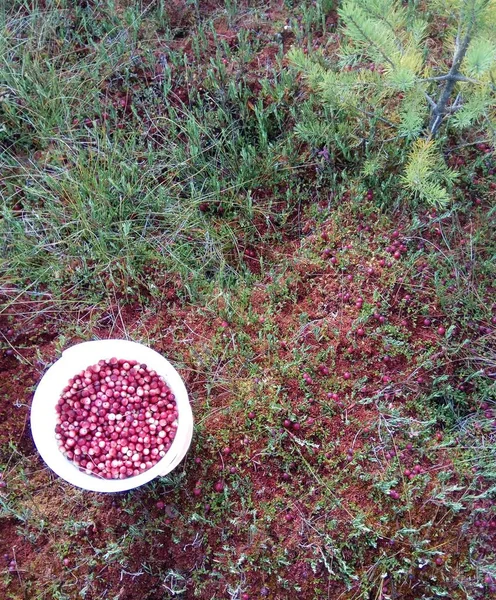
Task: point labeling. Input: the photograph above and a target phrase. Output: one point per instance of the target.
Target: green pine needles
(408, 78)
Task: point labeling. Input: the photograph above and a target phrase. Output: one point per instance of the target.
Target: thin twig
(450, 77)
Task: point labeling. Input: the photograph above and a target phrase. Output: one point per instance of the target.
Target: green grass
(98, 197)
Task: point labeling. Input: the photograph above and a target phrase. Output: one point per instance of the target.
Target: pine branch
(449, 77)
(430, 100)
(371, 42)
(382, 18)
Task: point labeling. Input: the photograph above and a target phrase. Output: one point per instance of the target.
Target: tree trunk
(439, 111)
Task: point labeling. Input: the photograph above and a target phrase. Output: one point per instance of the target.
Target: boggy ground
(321, 397)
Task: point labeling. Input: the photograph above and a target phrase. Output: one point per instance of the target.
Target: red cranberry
(111, 429)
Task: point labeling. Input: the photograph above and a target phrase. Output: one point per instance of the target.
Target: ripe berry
(116, 419)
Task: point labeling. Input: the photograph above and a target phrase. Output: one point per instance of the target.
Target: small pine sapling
(403, 79)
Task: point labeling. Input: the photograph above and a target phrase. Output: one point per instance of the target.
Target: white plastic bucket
(49, 390)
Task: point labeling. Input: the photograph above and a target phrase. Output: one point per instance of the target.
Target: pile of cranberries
(116, 419)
